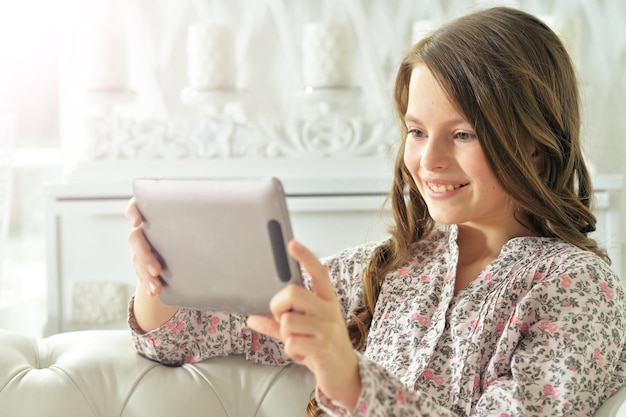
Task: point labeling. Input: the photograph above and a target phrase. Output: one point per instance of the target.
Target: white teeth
(443, 188)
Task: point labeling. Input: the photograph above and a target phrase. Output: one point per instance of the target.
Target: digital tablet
(221, 241)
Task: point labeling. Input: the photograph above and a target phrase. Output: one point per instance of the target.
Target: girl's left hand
(313, 330)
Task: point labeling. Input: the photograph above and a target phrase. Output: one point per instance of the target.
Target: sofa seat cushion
(98, 373)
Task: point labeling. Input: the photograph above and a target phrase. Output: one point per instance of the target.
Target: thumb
(320, 281)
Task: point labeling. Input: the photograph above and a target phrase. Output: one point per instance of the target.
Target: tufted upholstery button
(98, 373)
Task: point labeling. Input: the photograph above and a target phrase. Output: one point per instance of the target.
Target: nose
(435, 153)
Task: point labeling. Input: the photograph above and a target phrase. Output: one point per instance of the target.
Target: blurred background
(92, 90)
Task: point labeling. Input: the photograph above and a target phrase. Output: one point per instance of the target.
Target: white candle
(210, 57)
(325, 55)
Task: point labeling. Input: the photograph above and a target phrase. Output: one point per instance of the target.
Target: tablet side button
(278, 248)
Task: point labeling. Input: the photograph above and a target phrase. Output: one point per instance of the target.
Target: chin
(446, 220)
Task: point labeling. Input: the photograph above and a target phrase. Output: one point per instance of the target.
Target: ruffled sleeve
(195, 335)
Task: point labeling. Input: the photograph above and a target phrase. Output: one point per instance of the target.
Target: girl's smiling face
(447, 162)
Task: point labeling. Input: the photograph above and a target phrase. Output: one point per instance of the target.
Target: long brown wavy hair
(511, 77)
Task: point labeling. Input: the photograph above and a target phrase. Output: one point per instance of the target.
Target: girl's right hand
(146, 264)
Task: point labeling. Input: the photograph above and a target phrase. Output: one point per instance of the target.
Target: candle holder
(327, 100)
(212, 102)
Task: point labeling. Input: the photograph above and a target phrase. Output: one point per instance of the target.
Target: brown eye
(416, 133)
(465, 136)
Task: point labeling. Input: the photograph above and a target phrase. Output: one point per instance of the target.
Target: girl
(489, 298)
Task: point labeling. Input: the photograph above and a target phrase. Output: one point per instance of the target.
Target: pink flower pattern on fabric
(543, 309)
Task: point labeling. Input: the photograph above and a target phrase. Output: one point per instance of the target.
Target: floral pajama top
(541, 331)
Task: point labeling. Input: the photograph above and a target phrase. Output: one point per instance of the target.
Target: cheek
(412, 163)
(492, 187)
(411, 158)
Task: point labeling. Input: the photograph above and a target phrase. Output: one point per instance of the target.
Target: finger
(295, 323)
(300, 347)
(265, 325)
(320, 281)
(295, 328)
(150, 284)
(146, 264)
(142, 251)
(291, 347)
(295, 298)
(132, 213)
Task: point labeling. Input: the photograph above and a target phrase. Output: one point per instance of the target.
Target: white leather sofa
(98, 373)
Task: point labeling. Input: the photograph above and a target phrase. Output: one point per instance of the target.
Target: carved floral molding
(324, 136)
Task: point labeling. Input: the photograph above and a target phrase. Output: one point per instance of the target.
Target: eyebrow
(410, 118)
(456, 121)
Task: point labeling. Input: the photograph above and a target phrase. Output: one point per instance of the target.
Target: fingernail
(153, 270)
(134, 218)
(152, 287)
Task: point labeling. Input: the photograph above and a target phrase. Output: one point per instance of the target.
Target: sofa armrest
(98, 373)
(614, 406)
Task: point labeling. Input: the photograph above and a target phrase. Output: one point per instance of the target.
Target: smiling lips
(442, 188)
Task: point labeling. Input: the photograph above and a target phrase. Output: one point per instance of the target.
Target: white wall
(268, 42)
(272, 114)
